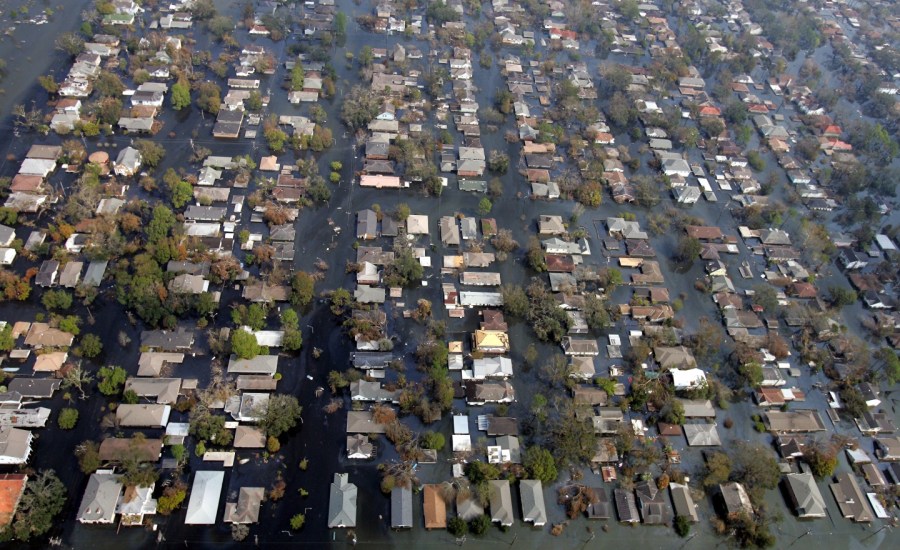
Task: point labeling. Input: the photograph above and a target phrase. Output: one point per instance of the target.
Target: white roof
(460, 424)
(205, 494)
(688, 378)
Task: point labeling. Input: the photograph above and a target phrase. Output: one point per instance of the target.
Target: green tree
(841, 297)
(302, 289)
(56, 299)
(7, 342)
(244, 344)
(297, 522)
(181, 95)
(297, 76)
(457, 526)
(433, 440)
(717, 469)
(340, 23)
(209, 97)
(67, 419)
(688, 249)
(152, 153)
(484, 206)
(480, 524)
(282, 413)
(765, 297)
(515, 301)
(88, 454)
(112, 379)
(682, 526)
(43, 499)
(540, 464)
(182, 192)
(70, 324)
(91, 346)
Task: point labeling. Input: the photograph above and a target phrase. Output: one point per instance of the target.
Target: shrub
(682, 526)
(272, 444)
(68, 417)
(457, 526)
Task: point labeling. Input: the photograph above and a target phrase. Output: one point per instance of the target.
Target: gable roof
(501, 502)
(98, 504)
(246, 509)
(435, 508)
(11, 488)
(533, 509)
(401, 507)
(805, 496)
(342, 502)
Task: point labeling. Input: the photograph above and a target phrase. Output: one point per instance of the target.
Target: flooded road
(321, 438)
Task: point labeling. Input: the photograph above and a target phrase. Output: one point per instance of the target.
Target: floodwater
(321, 437)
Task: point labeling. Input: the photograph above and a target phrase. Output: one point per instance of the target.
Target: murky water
(322, 437)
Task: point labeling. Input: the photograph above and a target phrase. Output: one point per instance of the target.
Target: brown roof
(22, 183)
(435, 508)
(493, 320)
(668, 430)
(115, 448)
(704, 232)
(11, 488)
(559, 263)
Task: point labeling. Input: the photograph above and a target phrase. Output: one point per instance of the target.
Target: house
(651, 503)
(434, 507)
(491, 341)
(501, 502)
(342, 502)
(15, 445)
(128, 162)
(551, 225)
(401, 508)
(359, 447)
(261, 364)
(734, 499)
(795, 421)
(161, 390)
(580, 347)
(117, 449)
(142, 416)
(248, 437)
(363, 390)
(181, 339)
(188, 284)
(468, 507)
(850, 499)
(46, 276)
(626, 506)
(12, 486)
(688, 379)
(366, 294)
(366, 224)
(532, 496)
(205, 493)
(7, 235)
(450, 234)
(246, 509)
(98, 504)
(363, 422)
(804, 495)
(683, 502)
(702, 435)
(478, 393)
(887, 449)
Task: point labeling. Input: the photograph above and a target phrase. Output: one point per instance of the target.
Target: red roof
(11, 488)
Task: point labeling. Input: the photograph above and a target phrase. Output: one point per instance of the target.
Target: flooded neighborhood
(437, 273)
